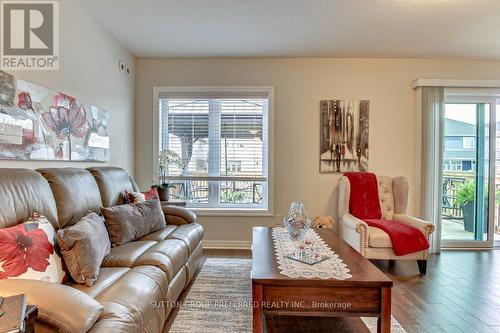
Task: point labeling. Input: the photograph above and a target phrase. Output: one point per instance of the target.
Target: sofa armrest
(425, 227)
(177, 215)
(65, 308)
(354, 223)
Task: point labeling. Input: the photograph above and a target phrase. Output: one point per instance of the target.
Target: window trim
(221, 90)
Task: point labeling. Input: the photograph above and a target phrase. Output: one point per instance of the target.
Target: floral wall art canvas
(344, 135)
(37, 123)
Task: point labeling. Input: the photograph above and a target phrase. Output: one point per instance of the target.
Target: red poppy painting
(37, 123)
(24, 246)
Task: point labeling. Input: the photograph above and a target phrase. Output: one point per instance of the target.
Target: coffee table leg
(257, 307)
(384, 321)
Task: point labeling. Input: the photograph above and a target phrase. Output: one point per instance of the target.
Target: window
(450, 165)
(468, 142)
(218, 146)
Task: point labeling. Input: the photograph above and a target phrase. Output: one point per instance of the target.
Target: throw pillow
(27, 251)
(132, 221)
(83, 246)
(135, 197)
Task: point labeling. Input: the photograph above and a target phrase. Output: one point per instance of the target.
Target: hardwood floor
(460, 293)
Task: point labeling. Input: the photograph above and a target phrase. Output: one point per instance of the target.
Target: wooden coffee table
(366, 294)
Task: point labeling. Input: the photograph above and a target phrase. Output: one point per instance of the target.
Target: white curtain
(431, 102)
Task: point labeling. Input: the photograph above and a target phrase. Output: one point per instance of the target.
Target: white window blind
(220, 146)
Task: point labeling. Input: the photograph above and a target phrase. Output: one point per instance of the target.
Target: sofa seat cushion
(107, 276)
(169, 255)
(126, 255)
(191, 234)
(128, 302)
(378, 238)
(160, 234)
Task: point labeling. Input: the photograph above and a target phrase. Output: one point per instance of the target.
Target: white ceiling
(302, 28)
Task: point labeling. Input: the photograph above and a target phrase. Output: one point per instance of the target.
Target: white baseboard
(223, 244)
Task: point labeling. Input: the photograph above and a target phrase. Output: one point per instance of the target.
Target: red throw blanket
(405, 239)
(364, 204)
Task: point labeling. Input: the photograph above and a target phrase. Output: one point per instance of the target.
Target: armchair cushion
(54, 300)
(378, 238)
(364, 200)
(404, 238)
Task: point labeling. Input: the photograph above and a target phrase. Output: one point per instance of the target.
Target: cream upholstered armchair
(371, 242)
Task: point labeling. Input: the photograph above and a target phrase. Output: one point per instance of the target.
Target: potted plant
(166, 159)
(466, 194)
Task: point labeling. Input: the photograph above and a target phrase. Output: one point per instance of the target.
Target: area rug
(219, 300)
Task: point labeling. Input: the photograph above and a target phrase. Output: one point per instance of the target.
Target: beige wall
(299, 86)
(89, 70)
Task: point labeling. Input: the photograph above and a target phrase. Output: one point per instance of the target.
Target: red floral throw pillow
(136, 197)
(27, 251)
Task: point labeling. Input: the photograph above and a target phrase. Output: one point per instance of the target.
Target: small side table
(29, 321)
(179, 203)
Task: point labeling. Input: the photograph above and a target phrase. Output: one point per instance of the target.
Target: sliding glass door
(468, 172)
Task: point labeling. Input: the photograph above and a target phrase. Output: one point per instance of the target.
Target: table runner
(333, 268)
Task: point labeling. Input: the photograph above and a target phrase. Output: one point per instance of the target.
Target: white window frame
(220, 91)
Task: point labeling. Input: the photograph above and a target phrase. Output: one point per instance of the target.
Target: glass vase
(297, 223)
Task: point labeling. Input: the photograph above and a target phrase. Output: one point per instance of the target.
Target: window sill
(231, 212)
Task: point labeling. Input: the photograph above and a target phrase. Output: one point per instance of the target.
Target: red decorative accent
(24, 246)
(151, 194)
(132, 197)
(364, 201)
(405, 239)
(24, 101)
(66, 118)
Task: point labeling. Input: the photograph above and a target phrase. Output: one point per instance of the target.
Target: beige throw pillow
(84, 246)
(132, 221)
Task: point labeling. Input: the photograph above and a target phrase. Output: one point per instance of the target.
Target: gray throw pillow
(83, 246)
(132, 221)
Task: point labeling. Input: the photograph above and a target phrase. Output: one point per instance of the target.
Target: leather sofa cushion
(125, 255)
(113, 183)
(169, 255)
(190, 234)
(378, 238)
(84, 246)
(107, 276)
(128, 302)
(75, 191)
(23, 192)
(160, 234)
(132, 221)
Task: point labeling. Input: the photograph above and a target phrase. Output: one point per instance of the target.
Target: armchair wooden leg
(422, 266)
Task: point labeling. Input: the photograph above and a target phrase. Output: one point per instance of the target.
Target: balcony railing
(230, 192)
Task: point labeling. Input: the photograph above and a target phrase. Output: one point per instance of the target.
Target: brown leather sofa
(138, 282)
